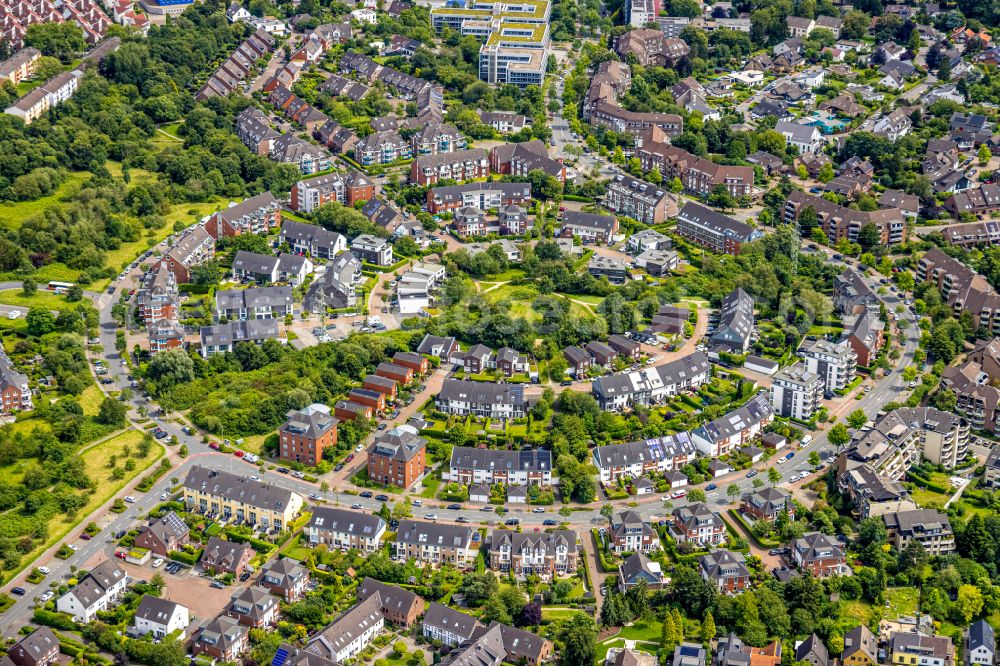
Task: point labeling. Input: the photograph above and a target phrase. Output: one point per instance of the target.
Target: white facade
(178, 620)
(88, 597)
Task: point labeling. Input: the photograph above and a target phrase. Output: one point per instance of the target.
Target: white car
(157, 563)
(250, 457)
(254, 477)
(13, 314)
(45, 570)
(72, 546)
(130, 499)
(677, 494)
(46, 595)
(359, 448)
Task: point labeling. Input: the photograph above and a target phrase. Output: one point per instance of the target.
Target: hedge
(574, 197)
(184, 557)
(150, 480)
(54, 620)
(195, 289)
(927, 483)
(763, 543)
(257, 544)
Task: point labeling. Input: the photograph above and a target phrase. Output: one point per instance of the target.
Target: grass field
(96, 464)
(12, 214)
(91, 400)
(517, 301)
(40, 299)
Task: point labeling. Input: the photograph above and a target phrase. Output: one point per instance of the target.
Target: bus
(60, 287)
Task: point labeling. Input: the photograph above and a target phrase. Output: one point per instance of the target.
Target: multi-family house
(437, 138)
(834, 362)
(909, 648)
(309, 158)
(223, 639)
(311, 239)
(522, 554)
(39, 648)
(163, 536)
(637, 567)
(448, 626)
(196, 247)
(459, 165)
(796, 392)
(713, 230)
(725, 570)
(651, 385)
(96, 591)
(736, 429)
(697, 524)
(698, 175)
(221, 556)
(979, 644)
(839, 222)
(860, 647)
(929, 527)
(434, 543)
(344, 188)
(253, 607)
(337, 288)
(866, 337)
(629, 533)
(819, 554)
(812, 651)
(767, 504)
(601, 355)
(254, 303)
(852, 295)
(482, 196)
(731, 651)
(239, 499)
(372, 249)
(736, 322)
(256, 215)
(345, 529)
(306, 433)
(635, 459)
(491, 466)
(382, 148)
(223, 338)
(588, 227)
(483, 399)
(284, 578)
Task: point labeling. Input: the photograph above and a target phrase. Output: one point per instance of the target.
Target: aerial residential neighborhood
(587, 333)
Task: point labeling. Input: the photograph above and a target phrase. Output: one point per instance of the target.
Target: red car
(85, 536)
(120, 553)
(349, 458)
(238, 454)
(213, 445)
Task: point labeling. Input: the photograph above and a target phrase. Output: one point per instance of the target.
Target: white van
(807, 440)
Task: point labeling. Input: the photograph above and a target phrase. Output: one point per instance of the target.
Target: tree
(478, 587)
(869, 237)
(40, 321)
(836, 642)
(74, 294)
(112, 412)
(696, 495)
(968, 604)
(946, 400)
(169, 368)
(668, 634)
(839, 435)
(579, 639)
(773, 475)
(721, 197)
(28, 287)
(808, 221)
(494, 609)
(826, 173)
(984, 155)
(733, 491)
(531, 615)
(607, 511)
(61, 40)
(857, 419)
(708, 628)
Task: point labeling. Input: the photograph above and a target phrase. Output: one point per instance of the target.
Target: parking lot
(186, 588)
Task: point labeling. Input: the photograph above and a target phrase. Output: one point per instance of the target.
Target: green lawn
(12, 214)
(645, 630)
(40, 299)
(902, 601)
(585, 298)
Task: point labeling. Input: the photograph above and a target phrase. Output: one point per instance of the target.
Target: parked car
(157, 563)
(538, 509)
(19, 591)
(218, 585)
(382, 498)
(454, 507)
(549, 522)
(511, 522)
(710, 487)
(677, 494)
(130, 499)
(355, 506)
(366, 494)
(752, 473)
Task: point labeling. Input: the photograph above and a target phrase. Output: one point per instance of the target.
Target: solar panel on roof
(280, 657)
